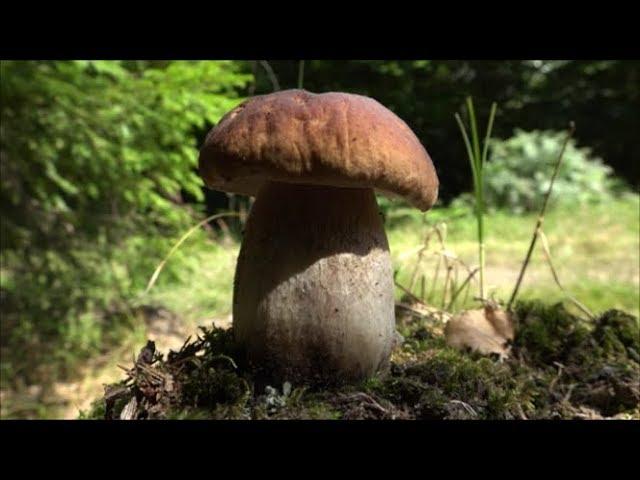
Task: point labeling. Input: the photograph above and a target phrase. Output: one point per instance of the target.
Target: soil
(561, 367)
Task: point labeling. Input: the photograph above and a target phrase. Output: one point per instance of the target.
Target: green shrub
(520, 168)
(97, 158)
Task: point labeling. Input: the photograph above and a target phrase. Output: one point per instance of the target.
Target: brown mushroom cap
(335, 139)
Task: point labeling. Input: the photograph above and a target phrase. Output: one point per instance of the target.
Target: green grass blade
(494, 106)
(474, 133)
(469, 151)
(477, 168)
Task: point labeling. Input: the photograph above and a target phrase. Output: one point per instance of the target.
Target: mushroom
(313, 293)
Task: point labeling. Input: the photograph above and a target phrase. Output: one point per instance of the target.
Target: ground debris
(361, 405)
(561, 367)
(129, 410)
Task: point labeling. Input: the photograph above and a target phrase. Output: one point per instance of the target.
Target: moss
(607, 377)
(96, 411)
(562, 367)
(432, 404)
(208, 387)
(597, 365)
(304, 405)
(188, 413)
(430, 386)
(616, 332)
(309, 410)
(547, 333)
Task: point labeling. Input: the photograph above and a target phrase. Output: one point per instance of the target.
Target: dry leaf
(488, 330)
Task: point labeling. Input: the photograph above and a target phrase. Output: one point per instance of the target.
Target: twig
(425, 246)
(540, 220)
(159, 268)
(419, 313)
(369, 401)
(413, 297)
(466, 406)
(521, 412)
(254, 71)
(435, 278)
(443, 248)
(557, 377)
(228, 359)
(567, 397)
(271, 74)
(454, 283)
(446, 282)
(547, 253)
(410, 309)
(224, 227)
(300, 73)
(461, 287)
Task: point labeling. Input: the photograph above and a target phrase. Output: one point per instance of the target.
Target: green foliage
(84, 142)
(519, 172)
(98, 158)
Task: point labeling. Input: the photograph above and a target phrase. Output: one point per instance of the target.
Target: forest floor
(595, 250)
(560, 367)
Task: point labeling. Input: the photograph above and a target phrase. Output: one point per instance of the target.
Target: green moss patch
(561, 367)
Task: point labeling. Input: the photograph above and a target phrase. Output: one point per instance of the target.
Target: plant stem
(272, 76)
(480, 208)
(474, 133)
(160, 266)
(300, 73)
(487, 137)
(547, 254)
(460, 289)
(540, 220)
(477, 162)
(483, 160)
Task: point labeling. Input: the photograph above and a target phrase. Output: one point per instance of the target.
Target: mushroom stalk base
(313, 294)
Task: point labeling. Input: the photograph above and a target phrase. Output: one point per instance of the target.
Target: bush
(97, 160)
(520, 168)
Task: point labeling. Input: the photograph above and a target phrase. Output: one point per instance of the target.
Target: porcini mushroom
(313, 292)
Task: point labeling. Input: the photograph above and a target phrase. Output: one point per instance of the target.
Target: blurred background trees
(99, 175)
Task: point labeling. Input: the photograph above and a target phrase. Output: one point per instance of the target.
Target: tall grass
(477, 161)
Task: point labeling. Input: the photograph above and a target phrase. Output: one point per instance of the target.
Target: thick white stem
(313, 294)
